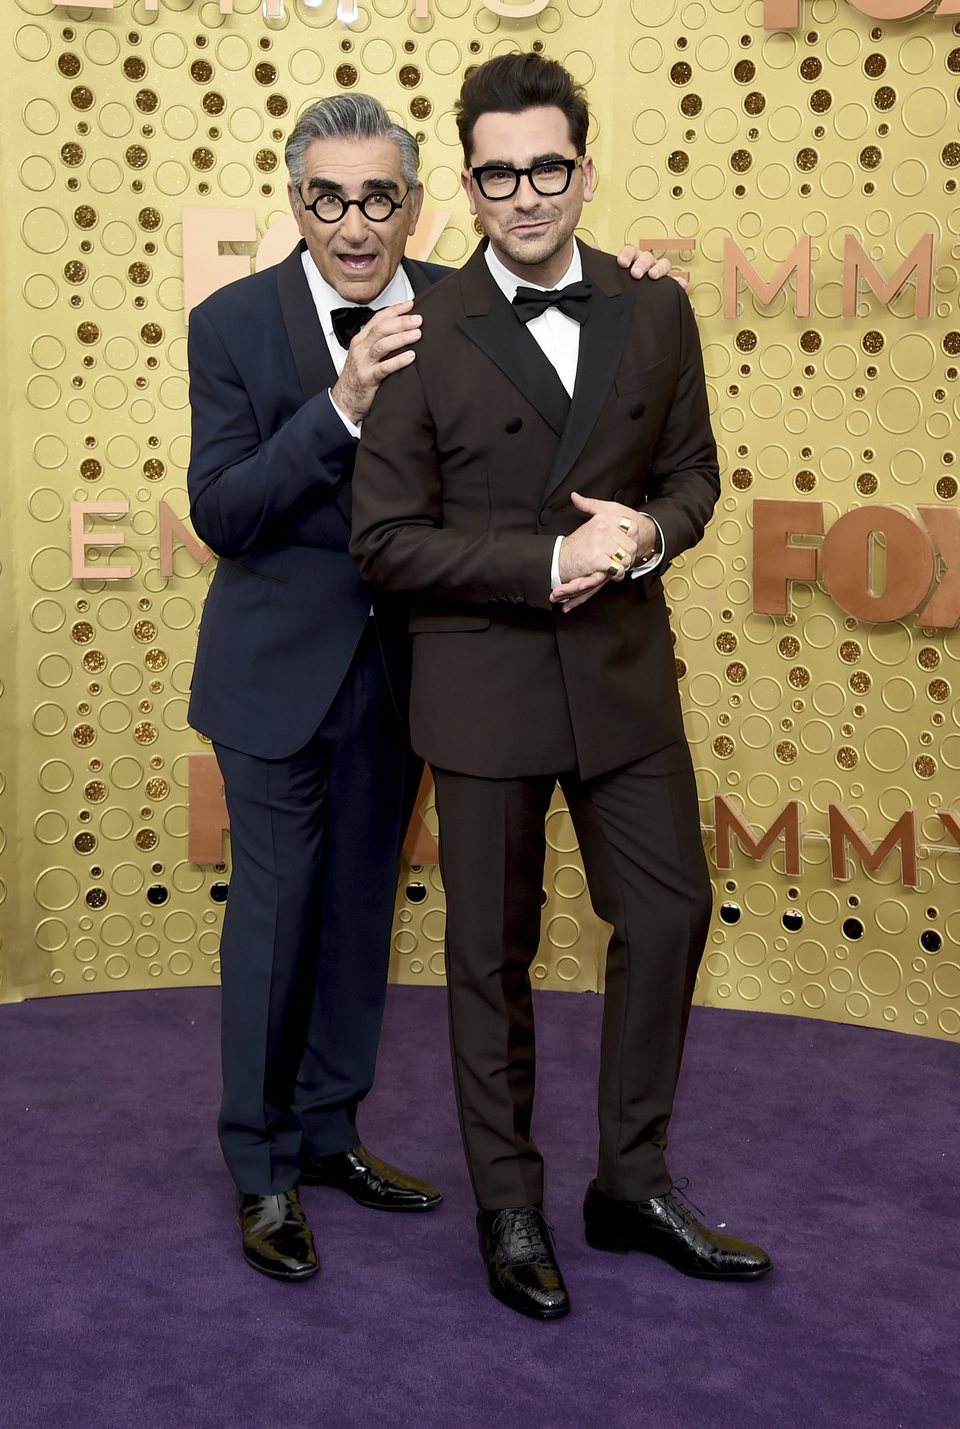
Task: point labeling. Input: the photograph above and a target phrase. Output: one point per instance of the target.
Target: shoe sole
(292, 1279)
(624, 1247)
(531, 1312)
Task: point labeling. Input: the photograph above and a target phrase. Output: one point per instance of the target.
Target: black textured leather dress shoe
(666, 1228)
(370, 1181)
(276, 1238)
(521, 1266)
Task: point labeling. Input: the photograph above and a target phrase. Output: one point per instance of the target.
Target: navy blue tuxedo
(304, 697)
(287, 604)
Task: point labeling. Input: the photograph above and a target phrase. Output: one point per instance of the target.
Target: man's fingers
(387, 345)
(575, 586)
(394, 364)
(380, 327)
(585, 503)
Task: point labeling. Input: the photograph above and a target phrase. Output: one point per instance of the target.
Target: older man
(301, 676)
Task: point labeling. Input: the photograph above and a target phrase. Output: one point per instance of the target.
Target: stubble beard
(538, 249)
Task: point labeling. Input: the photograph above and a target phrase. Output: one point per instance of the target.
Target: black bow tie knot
(347, 322)
(573, 300)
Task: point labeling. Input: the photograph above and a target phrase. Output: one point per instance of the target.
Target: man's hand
(642, 264)
(592, 548)
(374, 353)
(587, 556)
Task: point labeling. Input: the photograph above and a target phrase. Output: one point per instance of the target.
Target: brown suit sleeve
(684, 480)
(399, 540)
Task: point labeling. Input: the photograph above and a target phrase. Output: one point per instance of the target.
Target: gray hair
(348, 116)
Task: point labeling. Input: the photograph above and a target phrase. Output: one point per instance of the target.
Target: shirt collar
(326, 297)
(508, 282)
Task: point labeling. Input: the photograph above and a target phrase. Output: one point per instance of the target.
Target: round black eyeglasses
(552, 177)
(377, 207)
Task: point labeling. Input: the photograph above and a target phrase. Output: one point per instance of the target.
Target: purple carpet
(124, 1299)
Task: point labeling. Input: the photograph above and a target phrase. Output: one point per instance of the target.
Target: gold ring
(618, 555)
(613, 570)
(624, 525)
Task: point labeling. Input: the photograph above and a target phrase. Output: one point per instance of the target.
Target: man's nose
(526, 195)
(353, 225)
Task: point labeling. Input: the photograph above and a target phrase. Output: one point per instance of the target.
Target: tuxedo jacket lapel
(417, 276)
(492, 325)
(602, 340)
(311, 355)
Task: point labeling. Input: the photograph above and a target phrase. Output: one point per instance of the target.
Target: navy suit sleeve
(245, 489)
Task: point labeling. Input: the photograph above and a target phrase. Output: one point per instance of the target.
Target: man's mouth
(357, 262)
(533, 225)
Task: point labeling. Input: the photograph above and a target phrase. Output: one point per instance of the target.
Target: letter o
(845, 563)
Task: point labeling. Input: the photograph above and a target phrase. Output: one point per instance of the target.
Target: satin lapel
(417, 278)
(492, 325)
(602, 340)
(309, 346)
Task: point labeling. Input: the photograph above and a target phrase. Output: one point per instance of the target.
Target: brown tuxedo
(461, 486)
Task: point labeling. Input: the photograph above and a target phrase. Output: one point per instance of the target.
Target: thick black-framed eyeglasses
(552, 177)
(377, 206)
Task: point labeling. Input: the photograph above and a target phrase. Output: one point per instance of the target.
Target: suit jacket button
(514, 425)
(620, 494)
(637, 410)
(546, 516)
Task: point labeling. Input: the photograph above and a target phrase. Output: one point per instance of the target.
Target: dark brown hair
(510, 84)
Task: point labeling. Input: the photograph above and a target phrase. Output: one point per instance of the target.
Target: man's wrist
(352, 424)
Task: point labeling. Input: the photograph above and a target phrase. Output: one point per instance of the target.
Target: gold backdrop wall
(707, 126)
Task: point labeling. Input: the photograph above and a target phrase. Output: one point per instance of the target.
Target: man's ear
(589, 178)
(416, 206)
(296, 208)
(466, 183)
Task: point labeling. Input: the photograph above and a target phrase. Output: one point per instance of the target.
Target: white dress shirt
(559, 339)
(326, 298)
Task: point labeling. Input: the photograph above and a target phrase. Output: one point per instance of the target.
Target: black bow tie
(573, 300)
(347, 322)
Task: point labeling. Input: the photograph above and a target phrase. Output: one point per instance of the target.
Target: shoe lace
(679, 1188)
(526, 1235)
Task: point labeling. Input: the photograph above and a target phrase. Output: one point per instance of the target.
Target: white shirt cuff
(655, 559)
(555, 565)
(352, 427)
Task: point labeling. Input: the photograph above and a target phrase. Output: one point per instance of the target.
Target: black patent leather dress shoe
(276, 1238)
(370, 1181)
(665, 1227)
(521, 1266)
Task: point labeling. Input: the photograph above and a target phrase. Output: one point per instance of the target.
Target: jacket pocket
(233, 566)
(635, 378)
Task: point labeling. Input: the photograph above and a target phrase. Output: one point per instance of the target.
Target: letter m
(728, 822)
(918, 261)
(737, 265)
(903, 836)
